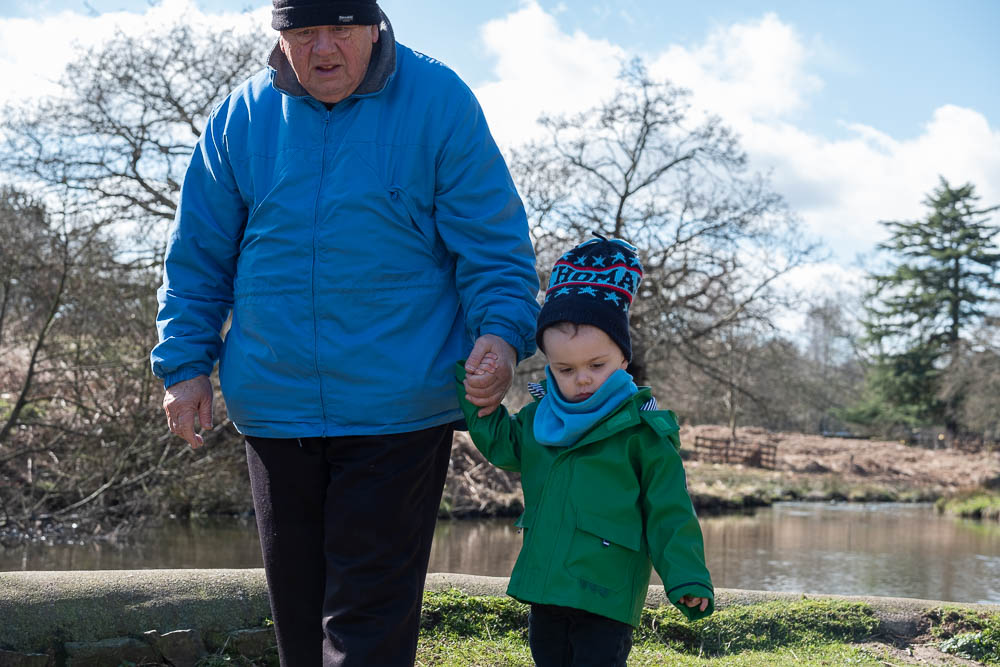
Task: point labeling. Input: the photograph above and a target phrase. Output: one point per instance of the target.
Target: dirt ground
(868, 460)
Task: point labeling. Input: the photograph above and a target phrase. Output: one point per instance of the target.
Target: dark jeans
(345, 529)
(567, 637)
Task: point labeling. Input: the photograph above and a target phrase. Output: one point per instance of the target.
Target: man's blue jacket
(359, 249)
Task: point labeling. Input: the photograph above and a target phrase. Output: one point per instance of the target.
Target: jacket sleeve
(482, 222)
(497, 436)
(197, 290)
(673, 534)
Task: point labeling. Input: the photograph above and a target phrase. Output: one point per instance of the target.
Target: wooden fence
(724, 450)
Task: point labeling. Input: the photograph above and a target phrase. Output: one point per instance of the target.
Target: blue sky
(887, 64)
(854, 108)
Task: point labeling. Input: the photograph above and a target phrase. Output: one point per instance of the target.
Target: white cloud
(32, 70)
(748, 71)
(754, 75)
(542, 69)
(821, 281)
(843, 188)
(831, 278)
(758, 76)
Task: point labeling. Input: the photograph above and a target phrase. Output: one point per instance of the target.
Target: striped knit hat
(594, 283)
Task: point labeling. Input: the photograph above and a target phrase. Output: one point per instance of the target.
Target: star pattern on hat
(562, 292)
(588, 290)
(619, 257)
(598, 260)
(612, 297)
(635, 261)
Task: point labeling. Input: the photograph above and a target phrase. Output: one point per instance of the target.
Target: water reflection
(487, 547)
(228, 543)
(897, 550)
(883, 549)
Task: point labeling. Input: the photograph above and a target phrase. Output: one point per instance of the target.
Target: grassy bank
(716, 487)
(461, 630)
(973, 504)
(476, 489)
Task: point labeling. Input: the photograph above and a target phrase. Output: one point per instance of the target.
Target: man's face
(329, 61)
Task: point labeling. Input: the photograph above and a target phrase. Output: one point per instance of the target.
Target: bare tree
(713, 238)
(82, 438)
(22, 255)
(116, 142)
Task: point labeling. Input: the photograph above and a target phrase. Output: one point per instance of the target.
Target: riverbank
(212, 618)
(810, 468)
(972, 504)
(807, 467)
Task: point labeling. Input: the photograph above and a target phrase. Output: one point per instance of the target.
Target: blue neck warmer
(559, 423)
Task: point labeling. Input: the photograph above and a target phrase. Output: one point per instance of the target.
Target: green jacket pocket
(603, 552)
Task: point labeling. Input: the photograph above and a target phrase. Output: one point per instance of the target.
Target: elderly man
(349, 209)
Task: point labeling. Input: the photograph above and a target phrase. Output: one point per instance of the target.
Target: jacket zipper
(319, 189)
(538, 510)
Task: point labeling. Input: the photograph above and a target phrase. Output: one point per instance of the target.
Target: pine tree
(943, 284)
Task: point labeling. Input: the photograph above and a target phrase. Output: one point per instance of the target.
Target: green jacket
(598, 513)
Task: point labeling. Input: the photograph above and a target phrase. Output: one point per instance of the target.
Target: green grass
(974, 504)
(759, 627)
(967, 634)
(483, 653)
(727, 488)
(458, 629)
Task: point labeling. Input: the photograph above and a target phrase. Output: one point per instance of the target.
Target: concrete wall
(155, 616)
(108, 617)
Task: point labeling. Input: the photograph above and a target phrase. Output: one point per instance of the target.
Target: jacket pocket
(603, 552)
(424, 225)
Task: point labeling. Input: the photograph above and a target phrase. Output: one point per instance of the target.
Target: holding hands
(489, 364)
(489, 372)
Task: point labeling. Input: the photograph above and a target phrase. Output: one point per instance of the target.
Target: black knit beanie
(292, 14)
(593, 283)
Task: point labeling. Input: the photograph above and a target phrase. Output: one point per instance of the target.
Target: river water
(886, 549)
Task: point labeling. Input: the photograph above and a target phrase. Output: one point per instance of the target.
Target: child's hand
(487, 365)
(690, 601)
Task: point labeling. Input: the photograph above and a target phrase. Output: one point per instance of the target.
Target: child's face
(581, 362)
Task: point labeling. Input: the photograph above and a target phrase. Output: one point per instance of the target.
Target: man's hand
(185, 400)
(487, 389)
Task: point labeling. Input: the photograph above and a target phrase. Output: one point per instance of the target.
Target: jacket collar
(625, 417)
(380, 69)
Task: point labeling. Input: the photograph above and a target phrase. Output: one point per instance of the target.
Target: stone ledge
(89, 606)
(188, 612)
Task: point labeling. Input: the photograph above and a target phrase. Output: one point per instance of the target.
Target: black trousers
(345, 529)
(567, 637)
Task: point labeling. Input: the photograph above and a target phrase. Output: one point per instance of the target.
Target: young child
(605, 495)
